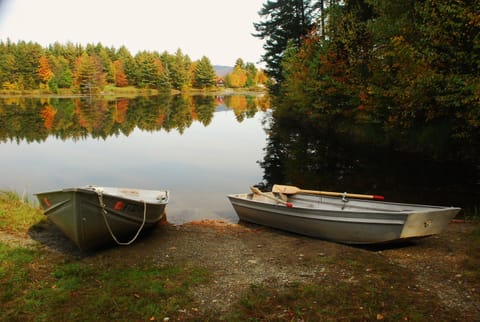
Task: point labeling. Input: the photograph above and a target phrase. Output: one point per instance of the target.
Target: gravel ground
(242, 254)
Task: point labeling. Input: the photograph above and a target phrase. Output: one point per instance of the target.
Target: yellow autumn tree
(237, 78)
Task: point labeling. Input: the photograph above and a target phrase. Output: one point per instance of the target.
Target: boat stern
(423, 224)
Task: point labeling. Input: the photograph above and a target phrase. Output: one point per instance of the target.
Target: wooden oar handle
(344, 194)
(293, 190)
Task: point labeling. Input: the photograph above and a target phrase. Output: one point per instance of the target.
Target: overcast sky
(218, 29)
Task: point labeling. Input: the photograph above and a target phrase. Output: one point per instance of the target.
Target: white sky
(218, 29)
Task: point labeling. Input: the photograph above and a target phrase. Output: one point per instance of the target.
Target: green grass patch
(17, 214)
(14, 277)
(81, 290)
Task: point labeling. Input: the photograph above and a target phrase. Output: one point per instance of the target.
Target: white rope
(104, 212)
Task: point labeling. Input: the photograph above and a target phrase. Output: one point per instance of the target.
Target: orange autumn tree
(44, 71)
(120, 76)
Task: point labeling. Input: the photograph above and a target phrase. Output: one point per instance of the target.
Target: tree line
(401, 63)
(88, 69)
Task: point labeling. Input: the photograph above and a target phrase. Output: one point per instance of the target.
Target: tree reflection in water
(33, 120)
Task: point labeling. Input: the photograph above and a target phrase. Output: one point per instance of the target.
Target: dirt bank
(241, 255)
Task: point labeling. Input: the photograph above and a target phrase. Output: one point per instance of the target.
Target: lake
(202, 148)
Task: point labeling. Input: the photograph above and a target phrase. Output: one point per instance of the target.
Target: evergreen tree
(89, 76)
(62, 74)
(129, 64)
(252, 72)
(204, 73)
(27, 57)
(179, 70)
(284, 21)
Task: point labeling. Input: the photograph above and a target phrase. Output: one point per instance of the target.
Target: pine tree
(179, 69)
(88, 74)
(284, 21)
(204, 73)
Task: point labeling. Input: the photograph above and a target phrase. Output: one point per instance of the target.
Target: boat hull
(89, 216)
(351, 222)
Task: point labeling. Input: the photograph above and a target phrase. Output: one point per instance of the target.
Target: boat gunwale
(92, 190)
(418, 208)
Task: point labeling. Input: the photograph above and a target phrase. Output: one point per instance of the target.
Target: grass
(374, 295)
(35, 291)
(17, 214)
(77, 290)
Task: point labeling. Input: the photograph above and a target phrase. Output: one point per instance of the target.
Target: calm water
(201, 151)
(202, 148)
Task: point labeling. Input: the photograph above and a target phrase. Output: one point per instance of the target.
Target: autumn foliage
(44, 71)
(398, 63)
(88, 69)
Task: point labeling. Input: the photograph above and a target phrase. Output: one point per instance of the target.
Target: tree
(251, 72)
(124, 55)
(179, 69)
(150, 71)
(119, 74)
(237, 78)
(163, 80)
(204, 73)
(62, 74)
(44, 71)
(284, 21)
(27, 57)
(89, 76)
(106, 63)
(401, 63)
(8, 66)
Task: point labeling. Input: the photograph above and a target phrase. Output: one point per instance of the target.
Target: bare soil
(242, 254)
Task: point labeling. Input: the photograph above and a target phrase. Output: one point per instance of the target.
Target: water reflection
(201, 148)
(33, 120)
(343, 156)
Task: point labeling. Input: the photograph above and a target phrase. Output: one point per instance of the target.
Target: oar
(257, 191)
(290, 190)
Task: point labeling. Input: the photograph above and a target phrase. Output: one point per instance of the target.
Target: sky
(218, 29)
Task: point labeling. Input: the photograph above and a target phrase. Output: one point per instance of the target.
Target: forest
(402, 64)
(74, 68)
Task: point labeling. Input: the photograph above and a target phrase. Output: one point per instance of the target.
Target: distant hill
(222, 70)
